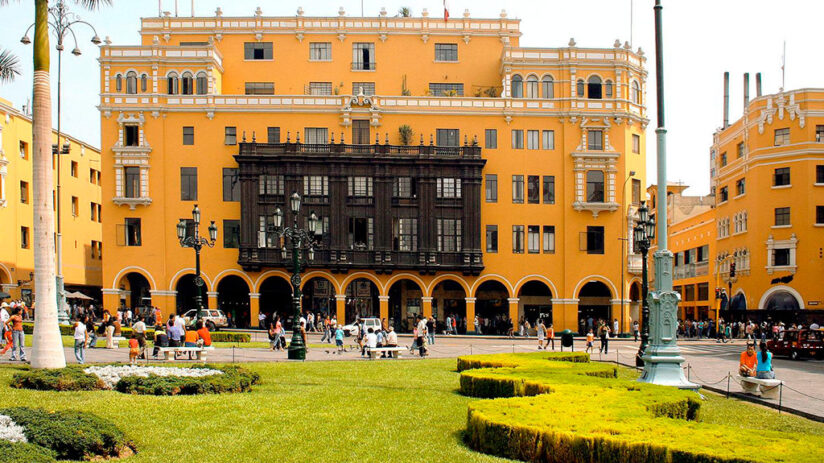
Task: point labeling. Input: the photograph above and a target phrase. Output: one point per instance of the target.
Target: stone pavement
(707, 362)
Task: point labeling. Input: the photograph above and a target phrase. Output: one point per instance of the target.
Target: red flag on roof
(445, 10)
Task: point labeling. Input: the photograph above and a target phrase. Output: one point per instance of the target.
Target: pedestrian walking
(421, 336)
(541, 332)
(590, 338)
(635, 330)
(81, 336)
(431, 323)
(550, 336)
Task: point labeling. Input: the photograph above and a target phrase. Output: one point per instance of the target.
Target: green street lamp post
(643, 234)
(196, 242)
(300, 240)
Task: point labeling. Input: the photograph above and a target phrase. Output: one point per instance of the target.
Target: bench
(373, 351)
(765, 388)
(170, 353)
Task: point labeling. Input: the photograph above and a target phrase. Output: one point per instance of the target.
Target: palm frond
(90, 4)
(9, 65)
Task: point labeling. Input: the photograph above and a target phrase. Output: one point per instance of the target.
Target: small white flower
(112, 374)
(11, 431)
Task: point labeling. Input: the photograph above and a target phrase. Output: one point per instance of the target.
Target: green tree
(9, 66)
(405, 12)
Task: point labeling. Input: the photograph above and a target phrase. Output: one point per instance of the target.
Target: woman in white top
(80, 338)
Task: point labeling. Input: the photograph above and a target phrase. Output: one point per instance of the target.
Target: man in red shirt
(203, 334)
(17, 335)
(746, 366)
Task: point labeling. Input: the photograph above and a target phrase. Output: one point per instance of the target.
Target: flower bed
(559, 411)
(229, 379)
(43, 436)
(112, 374)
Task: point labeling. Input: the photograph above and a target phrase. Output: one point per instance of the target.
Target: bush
(233, 379)
(217, 336)
(64, 379)
(20, 451)
(573, 411)
(71, 435)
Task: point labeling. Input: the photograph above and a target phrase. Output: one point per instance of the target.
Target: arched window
(131, 82)
(548, 90)
(118, 83)
(579, 88)
(517, 86)
(532, 87)
(594, 88)
(608, 89)
(635, 92)
(595, 186)
(144, 82)
(201, 84)
(186, 84)
(172, 83)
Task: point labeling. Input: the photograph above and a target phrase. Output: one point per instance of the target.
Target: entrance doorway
(593, 305)
(233, 300)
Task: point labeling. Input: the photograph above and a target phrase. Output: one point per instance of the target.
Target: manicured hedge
(565, 412)
(217, 336)
(24, 452)
(71, 435)
(233, 379)
(64, 379)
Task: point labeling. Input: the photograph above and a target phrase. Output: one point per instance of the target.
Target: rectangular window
(24, 192)
(368, 88)
(636, 143)
(549, 189)
(24, 150)
(363, 56)
(723, 159)
(360, 186)
(446, 52)
(24, 237)
(360, 132)
(188, 135)
(272, 134)
(819, 215)
(316, 135)
(782, 137)
(636, 191)
(725, 195)
(533, 189)
(188, 183)
(595, 186)
(448, 137)
(361, 233)
(320, 88)
(271, 185)
(448, 188)
(93, 211)
(703, 291)
(449, 235)
(517, 139)
(781, 257)
(260, 88)
(689, 292)
(231, 184)
(131, 135)
(819, 174)
(739, 149)
(782, 176)
(782, 216)
(320, 51)
(492, 238)
(517, 189)
(549, 239)
(231, 234)
(444, 89)
(74, 169)
(132, 182)
(404, 187)
(491, 188)
(533, 239)
(595, 240)
(315, 185)
(532, 140)
(230, 136)
(132, 232)
(517, 239)
(405, 233)
(75, 206)
(548, 139)
(257, 50)
(819, 134)
(491, 139)
(595, 140)
(740, 186)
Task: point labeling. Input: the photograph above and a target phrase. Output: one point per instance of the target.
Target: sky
(702, 39)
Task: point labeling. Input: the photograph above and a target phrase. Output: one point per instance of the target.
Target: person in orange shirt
(590, 338)
(746, 366)
(203, 334)
(190, 340)
(550, 336)
(134, 349)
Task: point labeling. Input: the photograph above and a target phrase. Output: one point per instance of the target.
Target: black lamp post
(196, 242)
(643, 234)
(300, 240)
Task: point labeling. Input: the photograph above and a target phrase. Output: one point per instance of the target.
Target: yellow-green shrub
(565, 412)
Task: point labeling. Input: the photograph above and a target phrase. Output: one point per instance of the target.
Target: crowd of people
(728, 331)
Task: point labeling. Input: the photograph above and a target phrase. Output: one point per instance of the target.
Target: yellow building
(81, 206)
(454, 171)
(770, 206)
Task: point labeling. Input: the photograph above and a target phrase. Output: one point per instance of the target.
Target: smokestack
(726, 99)
(746, 90)
(758, 84)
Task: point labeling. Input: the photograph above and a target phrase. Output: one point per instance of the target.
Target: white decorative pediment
(781, 107)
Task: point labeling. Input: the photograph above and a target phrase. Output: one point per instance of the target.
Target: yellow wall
(16, 263)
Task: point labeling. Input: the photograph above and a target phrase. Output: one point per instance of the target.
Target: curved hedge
(562, 409)
(233, 379)
(67, 435)
(21, 451)
(64, 379)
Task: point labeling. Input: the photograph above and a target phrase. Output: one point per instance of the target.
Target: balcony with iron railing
(467, 151)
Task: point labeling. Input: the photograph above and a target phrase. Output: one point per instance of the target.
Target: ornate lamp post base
(296, 351)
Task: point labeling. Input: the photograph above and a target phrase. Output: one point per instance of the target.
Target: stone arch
(350, 278)
(189, 270)
(186, 293)
(600, 278)
(363, 293)
(5, 274)
(232, 290)
(232, 271)
(316, 297)
(778, 289)
(139, 289)
(454, 278)
(408, 276)
(492, 307)
(535, 277)
(321, 274)
(405, 293)
(275, 298)
(535, 300)
(594, 303)
(263, 276)
(136, 269)
(492, 276)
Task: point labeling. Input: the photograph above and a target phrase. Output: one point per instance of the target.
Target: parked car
(352, 328)
(796, 344)
(213, 319)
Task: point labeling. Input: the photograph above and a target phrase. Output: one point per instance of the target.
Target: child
(134, 350)
(590, 338)
(339, 339)
(550, 336)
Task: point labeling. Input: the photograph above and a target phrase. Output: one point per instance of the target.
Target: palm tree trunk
(47, 345)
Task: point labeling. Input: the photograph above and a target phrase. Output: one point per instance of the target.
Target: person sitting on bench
(747, 364)
(203, 334)
(391, 340)
(161, 340)
(764, 369)
(371, 341)
(190, 340)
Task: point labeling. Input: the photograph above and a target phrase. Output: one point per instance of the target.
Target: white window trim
(791, 244)
(781, 187)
